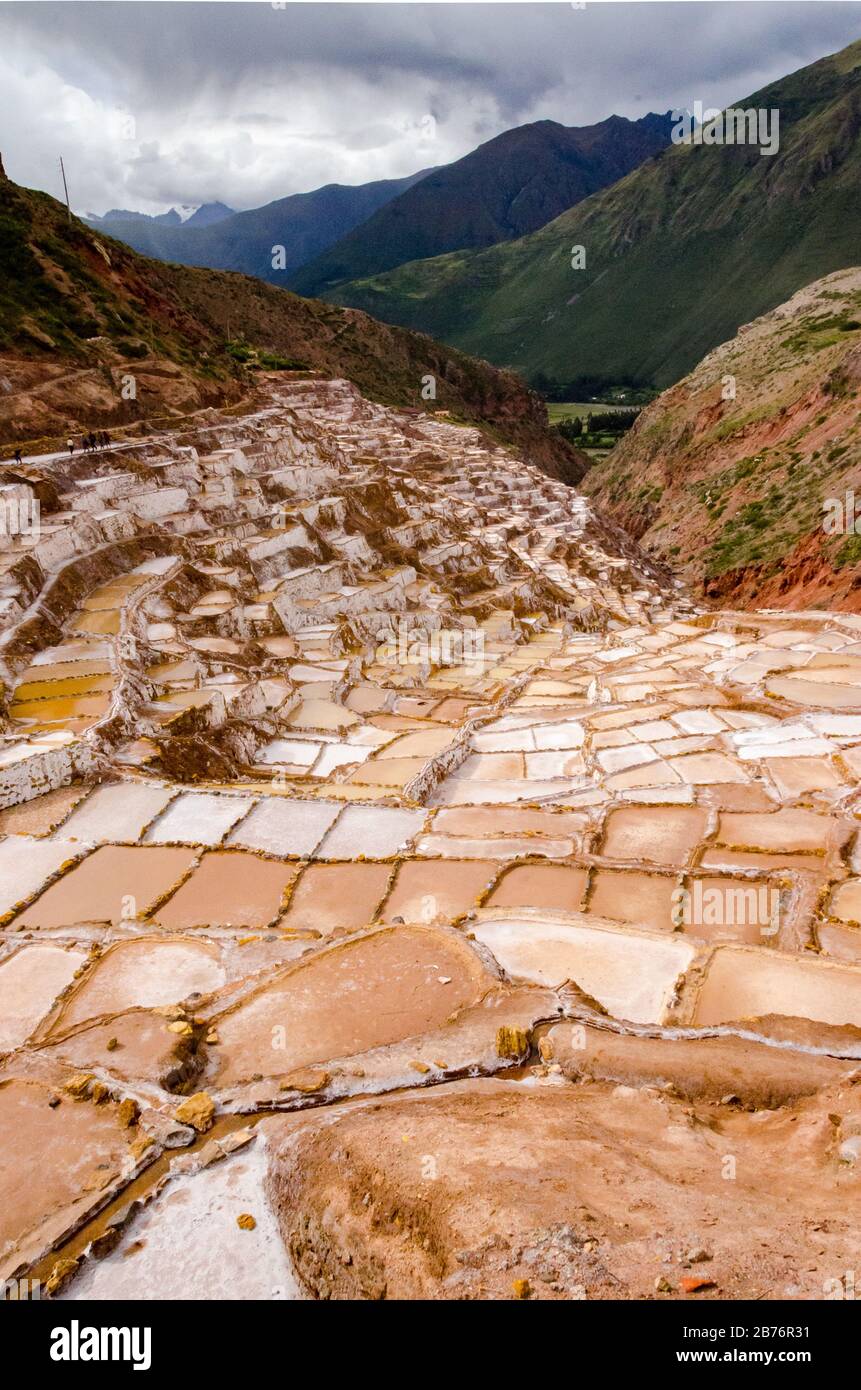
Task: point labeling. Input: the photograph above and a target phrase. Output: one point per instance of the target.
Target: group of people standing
(99, 439)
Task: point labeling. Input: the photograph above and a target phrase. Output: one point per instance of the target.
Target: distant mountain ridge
(186, 215)
(509, 186)
(304, 224)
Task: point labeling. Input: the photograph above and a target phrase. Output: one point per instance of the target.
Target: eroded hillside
(94, 335)
(744, 475)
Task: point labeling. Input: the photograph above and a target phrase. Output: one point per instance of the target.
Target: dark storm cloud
(158, 103)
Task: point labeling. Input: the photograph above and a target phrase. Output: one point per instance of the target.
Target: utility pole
(66, 188)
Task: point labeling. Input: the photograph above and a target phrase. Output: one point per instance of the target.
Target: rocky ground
(407, 891)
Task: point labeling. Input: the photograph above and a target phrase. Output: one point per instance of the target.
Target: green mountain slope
(506, 188)
(693, 243)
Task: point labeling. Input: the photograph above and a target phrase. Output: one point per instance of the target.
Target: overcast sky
(156, 104)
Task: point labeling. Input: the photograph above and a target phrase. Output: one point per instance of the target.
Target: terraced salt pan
(71, 1145)
(661, 835)
(568, 733)
(26, 864)
(792, 777)
(846, 901)
(743, 982)
(557, 762)
(159, 564)
(814, 693)
(620, 759)
(556, 887)
(321, 714)
(633, 976)
(491, 767)
(279, 826)
(423, 894)
(112, 595)
(454, 791)
(475, 821)
(738, 910)
(41, 815)
(116, 813)
(145, 973)
(30, 981)
(202, 818)
(74, 650)
(377, 832)
(640, 899)
(423, 744)
(393, 983)
(389, 772)
(330, 897)
(76, 712)
(499, 847)
(229, 888)
(110, 885)
(335, 755)
(289, 752)
(789, 830)
(100, 623)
